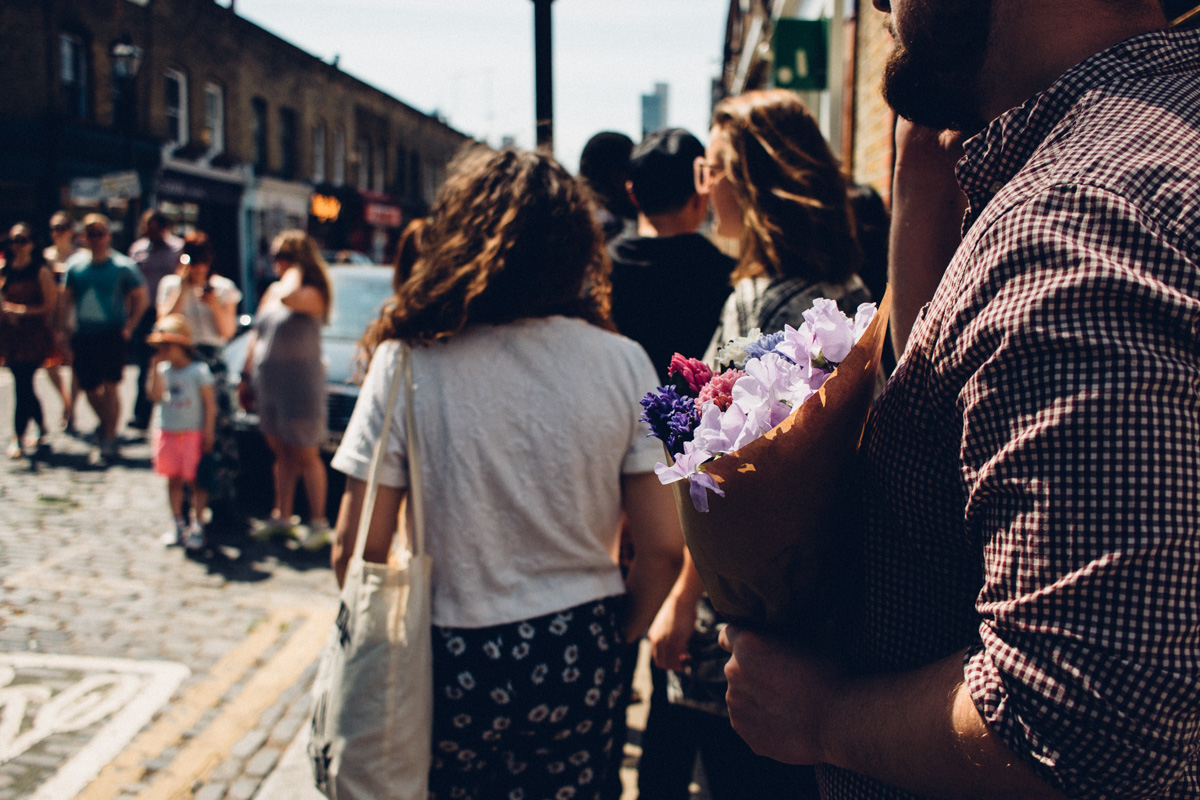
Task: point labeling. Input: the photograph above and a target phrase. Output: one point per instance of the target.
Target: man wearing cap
(108, 296)
(156, 255)
(669, 282)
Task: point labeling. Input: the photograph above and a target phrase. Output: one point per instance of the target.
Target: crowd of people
(1026, 576)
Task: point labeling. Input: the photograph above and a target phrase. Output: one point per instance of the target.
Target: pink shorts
(177, 453)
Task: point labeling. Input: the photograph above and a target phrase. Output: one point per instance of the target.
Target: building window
(214, 118)
(72, 76)
(399, 180)
(414, 176)
(318, 153)
(176, 107)
(259, 132)
(339, 157)
(379, 164)
(287, 144)
(362, 158)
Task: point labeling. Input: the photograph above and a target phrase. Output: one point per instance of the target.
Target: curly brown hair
(796, 217)
(511, 236)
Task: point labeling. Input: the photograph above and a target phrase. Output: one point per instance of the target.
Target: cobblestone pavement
(129, 670)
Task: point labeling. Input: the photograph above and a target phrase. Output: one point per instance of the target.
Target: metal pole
(543, 76)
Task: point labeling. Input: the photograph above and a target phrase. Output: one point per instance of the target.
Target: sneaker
(266, 529)
(193, 540)
(174, 537)
(314, 536)
(14, 450)
(109, 453)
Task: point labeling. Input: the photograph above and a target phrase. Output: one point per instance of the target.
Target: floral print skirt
(529, 710)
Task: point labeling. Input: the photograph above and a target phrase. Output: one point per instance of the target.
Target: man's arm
(138, 301)
(918, 731)
(927, 214)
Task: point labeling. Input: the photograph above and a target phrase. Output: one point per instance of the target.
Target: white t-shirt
(525, 430)
(198, 315)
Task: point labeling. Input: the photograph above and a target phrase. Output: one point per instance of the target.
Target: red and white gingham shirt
(1033, 466)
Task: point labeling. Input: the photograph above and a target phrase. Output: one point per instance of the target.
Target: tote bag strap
(403, 373)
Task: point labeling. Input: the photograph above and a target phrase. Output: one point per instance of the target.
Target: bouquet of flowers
(763, 443)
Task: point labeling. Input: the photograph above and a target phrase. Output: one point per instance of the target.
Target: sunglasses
(96, 233)
(21, 240)
(60, 228)
(706, 173)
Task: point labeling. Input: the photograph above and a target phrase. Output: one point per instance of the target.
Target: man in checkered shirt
(1030, 598)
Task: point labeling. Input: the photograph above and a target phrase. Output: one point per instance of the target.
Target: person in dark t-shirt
(669, 282)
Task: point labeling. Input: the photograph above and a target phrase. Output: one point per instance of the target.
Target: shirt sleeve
(228, 293)
(204, 375)
(643, 450)
(353, 456)
(1080, 463)
(168, 284)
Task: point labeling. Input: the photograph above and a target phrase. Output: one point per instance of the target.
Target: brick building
(850, 108)
(121, 104)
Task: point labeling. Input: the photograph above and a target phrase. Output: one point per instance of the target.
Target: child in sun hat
(181, 386)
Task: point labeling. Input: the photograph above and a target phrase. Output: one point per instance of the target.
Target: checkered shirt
(1032, 467)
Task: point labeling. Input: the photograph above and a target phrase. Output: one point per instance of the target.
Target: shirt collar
(996, 154)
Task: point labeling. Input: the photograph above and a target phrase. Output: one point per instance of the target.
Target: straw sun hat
(172, 329)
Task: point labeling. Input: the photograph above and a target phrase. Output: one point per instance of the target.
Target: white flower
(734, 351)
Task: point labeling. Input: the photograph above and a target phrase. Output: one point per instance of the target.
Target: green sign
(801, 54)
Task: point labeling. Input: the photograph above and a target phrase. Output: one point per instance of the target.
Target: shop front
(273, 206)
(206, 199)
(351, 224)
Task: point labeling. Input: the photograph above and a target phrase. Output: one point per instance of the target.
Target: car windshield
(357, 299)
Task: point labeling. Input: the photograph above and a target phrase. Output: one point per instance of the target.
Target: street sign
(801, 54)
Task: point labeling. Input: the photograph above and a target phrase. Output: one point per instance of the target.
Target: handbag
(373, 695)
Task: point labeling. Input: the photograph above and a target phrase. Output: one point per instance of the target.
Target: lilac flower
(723, 432)
(761, 394)
(671, 416)
(831, 329)
(862, 319)
(687, 467)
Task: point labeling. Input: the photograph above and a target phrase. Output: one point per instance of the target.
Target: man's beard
(934, 80)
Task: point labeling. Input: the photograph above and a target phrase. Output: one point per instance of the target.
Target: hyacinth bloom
(705, 415)
(719, 389)
(693, 371)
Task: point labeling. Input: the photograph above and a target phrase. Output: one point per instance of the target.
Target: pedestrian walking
(208, 301)
(28, 301)
(64, 245)
(108, 296)
(283, 379)
(156, 254)
(526, 408)
(181, 387)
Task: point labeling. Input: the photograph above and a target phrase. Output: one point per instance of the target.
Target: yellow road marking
(180, 717)
(205, 752)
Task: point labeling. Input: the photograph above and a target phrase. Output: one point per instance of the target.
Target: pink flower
(719, 389)
(694, 371)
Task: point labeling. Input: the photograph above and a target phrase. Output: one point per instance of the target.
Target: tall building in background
(654, 109)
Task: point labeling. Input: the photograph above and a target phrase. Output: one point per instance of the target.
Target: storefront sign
(325, 208)
(380, 214)
(120, 185)
(85, 191)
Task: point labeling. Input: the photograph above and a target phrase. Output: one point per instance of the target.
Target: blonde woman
(284, 381)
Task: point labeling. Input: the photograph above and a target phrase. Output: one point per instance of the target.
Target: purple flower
(764, 345)
(672, 417)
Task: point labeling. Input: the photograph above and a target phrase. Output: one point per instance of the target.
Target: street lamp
(543, 76)
(127, 60)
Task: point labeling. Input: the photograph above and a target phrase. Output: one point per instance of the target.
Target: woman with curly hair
(526, 405)
(284, 381)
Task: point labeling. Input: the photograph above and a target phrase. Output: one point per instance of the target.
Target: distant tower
(654, 109)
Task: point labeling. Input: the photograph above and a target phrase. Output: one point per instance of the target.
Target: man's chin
(934, 101)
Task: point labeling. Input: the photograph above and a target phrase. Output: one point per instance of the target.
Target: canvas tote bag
(373, 695)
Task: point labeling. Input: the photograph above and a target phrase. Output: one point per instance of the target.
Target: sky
(472, 60)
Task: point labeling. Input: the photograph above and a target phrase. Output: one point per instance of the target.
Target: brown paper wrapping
(772, 552)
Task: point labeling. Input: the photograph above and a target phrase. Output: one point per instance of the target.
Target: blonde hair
(302, 249)
(796, 217)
